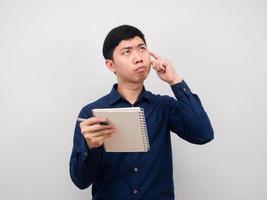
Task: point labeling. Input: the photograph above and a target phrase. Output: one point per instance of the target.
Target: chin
(140, 79)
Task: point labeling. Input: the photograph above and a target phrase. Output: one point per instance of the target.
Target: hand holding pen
(95, 130)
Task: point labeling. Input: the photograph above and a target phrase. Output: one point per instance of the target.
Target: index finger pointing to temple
(154, 55)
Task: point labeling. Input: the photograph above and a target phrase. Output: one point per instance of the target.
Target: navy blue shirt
(141, 175)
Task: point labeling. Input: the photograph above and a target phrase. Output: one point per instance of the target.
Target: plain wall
(51, 65)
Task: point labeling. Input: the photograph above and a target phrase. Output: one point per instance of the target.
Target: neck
(130, 91)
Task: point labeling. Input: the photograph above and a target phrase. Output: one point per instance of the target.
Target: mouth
(140, 69)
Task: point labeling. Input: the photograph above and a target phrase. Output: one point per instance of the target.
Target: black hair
(116, 35)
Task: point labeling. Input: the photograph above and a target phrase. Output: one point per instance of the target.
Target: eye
(126, 52)
(143, 48)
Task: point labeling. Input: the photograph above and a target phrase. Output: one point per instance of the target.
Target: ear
(110, 65)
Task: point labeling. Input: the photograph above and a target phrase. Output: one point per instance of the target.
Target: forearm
(84, 162)
(194, 125)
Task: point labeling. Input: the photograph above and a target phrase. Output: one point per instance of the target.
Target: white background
(51, 65)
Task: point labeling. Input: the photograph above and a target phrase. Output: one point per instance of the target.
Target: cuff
(180, 89)
(86, 151)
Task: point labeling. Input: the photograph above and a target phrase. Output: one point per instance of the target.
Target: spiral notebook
(131, 134)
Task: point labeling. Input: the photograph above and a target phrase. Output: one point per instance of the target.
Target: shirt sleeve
(84, 162)
(188, 118)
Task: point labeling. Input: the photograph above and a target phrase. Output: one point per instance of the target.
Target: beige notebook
(131, 134)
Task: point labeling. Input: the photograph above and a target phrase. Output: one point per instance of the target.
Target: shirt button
(184, 89)
(85, 153)
(135, 169)
(135, 191)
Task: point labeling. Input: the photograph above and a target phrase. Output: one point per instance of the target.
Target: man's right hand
(94, 133)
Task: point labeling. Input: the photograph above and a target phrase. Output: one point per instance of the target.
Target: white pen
(82, 119)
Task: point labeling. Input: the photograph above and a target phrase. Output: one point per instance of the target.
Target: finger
(154, 55)
(90, 137)
(93, 120)
(155, 67)
(159, 67)
(99, 128)
(162, 65)
(97, 137)
(153, 64)
(99, 141)
(95, 128)
(102, 133)
(159, 70)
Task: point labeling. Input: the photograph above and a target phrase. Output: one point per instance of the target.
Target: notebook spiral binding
(144, 129)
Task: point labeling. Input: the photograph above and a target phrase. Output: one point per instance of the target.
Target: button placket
(135, 189)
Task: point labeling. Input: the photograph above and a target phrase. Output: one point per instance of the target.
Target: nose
(137, 57)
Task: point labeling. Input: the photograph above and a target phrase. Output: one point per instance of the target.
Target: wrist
(177, 79)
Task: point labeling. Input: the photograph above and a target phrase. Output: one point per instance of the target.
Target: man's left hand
(165, 70)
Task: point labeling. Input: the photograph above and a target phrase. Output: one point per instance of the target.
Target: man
(144, 175)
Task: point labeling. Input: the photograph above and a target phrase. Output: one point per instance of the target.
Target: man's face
(132, 60)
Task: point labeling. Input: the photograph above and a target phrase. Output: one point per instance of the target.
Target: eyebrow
(130, 47)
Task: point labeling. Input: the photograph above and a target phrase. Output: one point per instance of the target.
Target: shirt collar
(115, 96)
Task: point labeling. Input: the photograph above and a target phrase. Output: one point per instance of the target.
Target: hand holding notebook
(131, 133)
